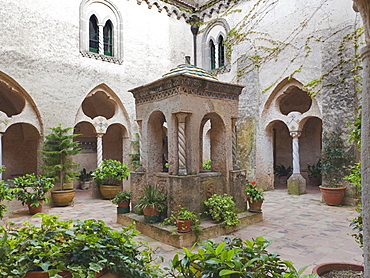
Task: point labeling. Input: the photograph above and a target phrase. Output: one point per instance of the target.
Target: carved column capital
(363, 7)
(295, 134)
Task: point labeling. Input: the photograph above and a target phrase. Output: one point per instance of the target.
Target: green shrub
(222, 208)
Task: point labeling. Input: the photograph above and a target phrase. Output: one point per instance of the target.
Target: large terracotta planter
(255, 206)
(63, 198)
(34, 210)
(324, 268)
(183, 226)
(109, 191)
(333, 196)
(42, 274)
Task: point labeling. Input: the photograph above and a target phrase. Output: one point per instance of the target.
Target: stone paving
(303, 229)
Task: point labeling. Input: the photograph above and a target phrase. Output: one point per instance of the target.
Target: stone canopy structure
(172, 113)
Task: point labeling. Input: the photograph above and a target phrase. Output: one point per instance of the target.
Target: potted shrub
(59, 148)
(31, 190)
(255, 197)
(152, 203)
(5, 194)
(314, 173)
(108, 177)
(184, 219)
(222, 209)
(85, 179)
(334, 160)
(122, 200)
(282, 172)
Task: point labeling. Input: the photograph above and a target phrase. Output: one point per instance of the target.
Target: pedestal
(296, 184)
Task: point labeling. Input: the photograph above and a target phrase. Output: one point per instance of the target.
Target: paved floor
(303, 229)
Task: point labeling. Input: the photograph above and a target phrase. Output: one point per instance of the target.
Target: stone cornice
(183, 9)
(187, 85)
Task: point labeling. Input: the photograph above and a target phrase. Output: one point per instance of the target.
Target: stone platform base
(168, 234)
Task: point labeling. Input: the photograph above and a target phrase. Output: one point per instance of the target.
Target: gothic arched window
(108, 38)
(93, 35)
(212, 54)
(221, 52)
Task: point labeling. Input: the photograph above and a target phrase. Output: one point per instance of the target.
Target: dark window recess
(213, 54)
(221, 52)
(108, 39)
(93, 35)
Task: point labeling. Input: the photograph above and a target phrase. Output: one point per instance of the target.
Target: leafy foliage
(281, 170)
(32, 188)
(81, 247)
(135, 157)
(84, 175)
(232, 258)
(207, 165)
(59, 147)
(110, 172)
(314, 171)
(121, 196)
(253, 193)
(222, 208)
(334, 159)
(5, 194)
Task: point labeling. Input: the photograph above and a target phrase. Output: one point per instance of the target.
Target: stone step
(169, 235)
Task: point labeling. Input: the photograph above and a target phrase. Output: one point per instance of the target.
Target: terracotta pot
(151, 215)
(124, 204)
(109, 191)
(105, 274)
(283, 179)
(34, 210)
(62, 198)
(332, 196)
(123, 207)
(255, 206)
(42, 274)
(321, 269)
(183, 226)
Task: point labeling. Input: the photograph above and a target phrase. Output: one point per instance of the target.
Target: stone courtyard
(303, 229)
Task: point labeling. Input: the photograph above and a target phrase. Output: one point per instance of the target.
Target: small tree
(334, 159)
(59, 147)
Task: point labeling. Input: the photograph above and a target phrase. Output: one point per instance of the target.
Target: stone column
(99, 147)
(363, 6)
(101, 39)
(296, 167)
(1, 154)
(181, 143)
(140, 168)
(234, 144)
(296, 183)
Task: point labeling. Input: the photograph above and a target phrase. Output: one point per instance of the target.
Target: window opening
(221, 52)
(213, 54)
(108, 39)
(93, 35)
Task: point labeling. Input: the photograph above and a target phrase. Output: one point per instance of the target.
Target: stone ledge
(168, 234)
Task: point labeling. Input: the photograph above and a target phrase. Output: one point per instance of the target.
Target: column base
(296, 184)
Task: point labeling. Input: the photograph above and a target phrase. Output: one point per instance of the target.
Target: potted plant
(122, 200)
(108, 177)
(222, 209)
(59, 148)
(184, 219)
(314, 173)
(85, 179)
(334, 160)
(207, 166)
(152, 203)
(31, 189)
(282, 172)
(255, 197)
(5, 194)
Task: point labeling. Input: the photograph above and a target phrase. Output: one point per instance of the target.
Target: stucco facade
(50, 76)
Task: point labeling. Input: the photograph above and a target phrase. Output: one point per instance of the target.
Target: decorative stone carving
(101, 124)
(4, 121)
(181, 142)
(101, 57)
